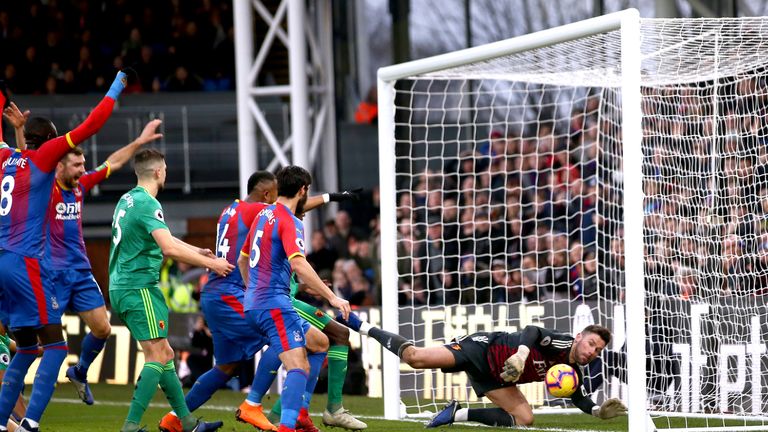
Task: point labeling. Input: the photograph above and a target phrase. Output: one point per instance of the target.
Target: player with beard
(140, 238)
(65, 257)
(496, 362)
(273, 250)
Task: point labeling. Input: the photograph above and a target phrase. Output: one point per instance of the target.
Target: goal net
(504, 203)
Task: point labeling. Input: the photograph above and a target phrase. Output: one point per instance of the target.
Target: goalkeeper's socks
(495, 417)
(337, 374)
(393, 342)
(205, 387)
(316, 361)
(13, 380)
(45, 379)
(90, 349)
(293, 393)
(265, 375)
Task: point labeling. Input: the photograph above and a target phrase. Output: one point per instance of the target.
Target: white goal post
(570, 176)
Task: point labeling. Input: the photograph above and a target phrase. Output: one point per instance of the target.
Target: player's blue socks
(315, 365)
(45, 380)
(89, 350)
(205, 387)
(265, 375)
(293, 393)
(13, 380)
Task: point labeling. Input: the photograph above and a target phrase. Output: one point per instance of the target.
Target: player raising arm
(496, 362)
(27, 178)
(140, 238)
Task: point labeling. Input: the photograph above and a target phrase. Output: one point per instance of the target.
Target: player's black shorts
(470, 353)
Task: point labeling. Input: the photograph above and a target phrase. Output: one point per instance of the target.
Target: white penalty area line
(364, 417)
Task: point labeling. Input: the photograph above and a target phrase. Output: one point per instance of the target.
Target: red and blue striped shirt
(64, 245)
(275, 237)
(26, 182)
(231, 233)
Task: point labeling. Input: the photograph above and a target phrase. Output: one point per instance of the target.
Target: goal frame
(628, 23)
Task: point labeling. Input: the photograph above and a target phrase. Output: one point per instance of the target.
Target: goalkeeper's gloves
(353, 195)
(118, 85)
(609, 409)
(514, 365)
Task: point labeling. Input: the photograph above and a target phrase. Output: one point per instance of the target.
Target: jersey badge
(161, 324)
(546, 341)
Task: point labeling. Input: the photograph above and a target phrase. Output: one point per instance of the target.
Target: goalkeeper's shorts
(471, 358)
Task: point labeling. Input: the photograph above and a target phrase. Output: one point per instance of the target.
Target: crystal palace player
(27, 180)
(222, 302)
(275, 247)
(496, 362)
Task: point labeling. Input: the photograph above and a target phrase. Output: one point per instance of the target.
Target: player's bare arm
(17, 119)
(172, 249)
(117, 159)
(198, 250)
(304, 270)
(242, 265)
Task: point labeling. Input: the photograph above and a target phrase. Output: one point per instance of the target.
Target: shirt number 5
(255, 249)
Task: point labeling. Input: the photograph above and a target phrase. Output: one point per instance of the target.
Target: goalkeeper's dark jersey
(547, 348)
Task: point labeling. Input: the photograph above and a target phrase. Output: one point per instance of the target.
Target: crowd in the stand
(537, 213)
(74, 46)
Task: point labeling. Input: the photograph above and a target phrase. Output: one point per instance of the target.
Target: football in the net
(561, 380)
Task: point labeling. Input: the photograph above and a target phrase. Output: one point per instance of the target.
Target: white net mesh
(509, 187)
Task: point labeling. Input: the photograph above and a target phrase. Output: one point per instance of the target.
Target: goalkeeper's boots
(25, 427)
(207, 427)
(254, 416)
(81, 385)
(343, 419)
(304, 423)
(445, 417)
(170, 423)
(354, 322)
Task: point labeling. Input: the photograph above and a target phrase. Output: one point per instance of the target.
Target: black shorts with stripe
(471, 354)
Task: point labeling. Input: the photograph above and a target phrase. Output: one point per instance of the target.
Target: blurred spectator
(321, 257)
(181, 81)
(199, 359)
(368, 110)
(88, 37)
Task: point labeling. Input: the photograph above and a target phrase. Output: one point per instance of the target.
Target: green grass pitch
(66, 413)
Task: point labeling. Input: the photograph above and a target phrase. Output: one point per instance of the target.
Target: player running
(273, 249)
(496, 362)
(65, 258)
(26, 182)
(140, 238)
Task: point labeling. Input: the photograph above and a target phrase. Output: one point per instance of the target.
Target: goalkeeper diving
(496, 362)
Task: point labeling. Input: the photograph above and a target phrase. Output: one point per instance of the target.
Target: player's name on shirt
(269, 213)
(20, 162)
